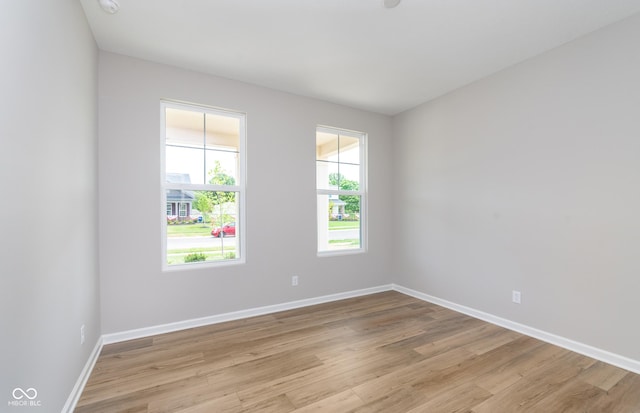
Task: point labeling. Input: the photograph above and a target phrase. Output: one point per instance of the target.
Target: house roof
(177, 195)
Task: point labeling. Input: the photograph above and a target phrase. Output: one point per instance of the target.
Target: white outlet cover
(516, 297)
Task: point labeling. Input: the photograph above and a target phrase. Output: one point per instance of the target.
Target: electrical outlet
(82, 334)
(294, 280)
(516, 296)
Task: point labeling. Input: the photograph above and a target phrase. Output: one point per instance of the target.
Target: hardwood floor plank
(225, 404)
(544, 382)
(345, 401)
(335, 375)
(275, 404)
(487, 343)
(160, 394)
(131, 381)
(575, 396)
(455, 399)
(177, 399)
(498, 363)
(457, 339)
(373, 389)
(624, 397)
(385, 352)
(400, 399)
(348, 372)
(603, 375)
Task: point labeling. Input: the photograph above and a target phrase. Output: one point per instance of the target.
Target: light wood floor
(385, 352)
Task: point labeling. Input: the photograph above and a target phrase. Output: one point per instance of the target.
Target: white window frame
(239, 187)
(182, 213)
(362, 192)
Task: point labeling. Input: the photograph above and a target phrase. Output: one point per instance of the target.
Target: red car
(226, 230)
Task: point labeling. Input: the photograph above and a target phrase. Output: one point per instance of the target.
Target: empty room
(328, 206)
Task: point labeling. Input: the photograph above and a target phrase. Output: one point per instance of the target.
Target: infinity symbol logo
(30, 393)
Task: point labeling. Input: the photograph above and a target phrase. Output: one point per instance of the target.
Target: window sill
(341, 252)
(201, 265)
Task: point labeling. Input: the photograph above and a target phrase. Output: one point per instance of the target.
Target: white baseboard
(236, 315)
(584, 349)
(73, 398)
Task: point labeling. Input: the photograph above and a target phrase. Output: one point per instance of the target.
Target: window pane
(222, 167)
(207, 232)
(327, 146)
(327, 175)
(338, 223)
(179, 203)
(223, 132)
(184, 128)
(349, 150)
(184, 165)
(349, 177)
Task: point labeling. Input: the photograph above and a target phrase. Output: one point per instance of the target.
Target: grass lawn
(344, 225)
(189, 230)
(344, 242)
(176, 256)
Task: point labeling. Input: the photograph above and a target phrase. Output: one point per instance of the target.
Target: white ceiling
(352, 52)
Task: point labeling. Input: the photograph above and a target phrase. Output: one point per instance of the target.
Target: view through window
(203, 166)
(340, 187)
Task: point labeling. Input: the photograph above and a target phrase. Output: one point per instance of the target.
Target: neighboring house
(337, 206)
(178, 201)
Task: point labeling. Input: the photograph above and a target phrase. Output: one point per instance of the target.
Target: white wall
(48, 168)
(281, 199)
(530, 180)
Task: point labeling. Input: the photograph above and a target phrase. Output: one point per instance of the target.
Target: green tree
(220, 177)
(218, 198)
(335, 179)
(352, 201)
(203, 204)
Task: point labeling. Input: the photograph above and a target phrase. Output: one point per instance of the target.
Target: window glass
(203, 185)
(340, 190)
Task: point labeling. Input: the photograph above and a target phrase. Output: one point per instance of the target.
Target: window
(341, 189)
(203, 185)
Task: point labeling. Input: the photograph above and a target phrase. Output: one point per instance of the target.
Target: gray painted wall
(530, 180)
(525, 180)
(48, 156)
(280, 194)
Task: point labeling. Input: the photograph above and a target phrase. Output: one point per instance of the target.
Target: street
(174, 243)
